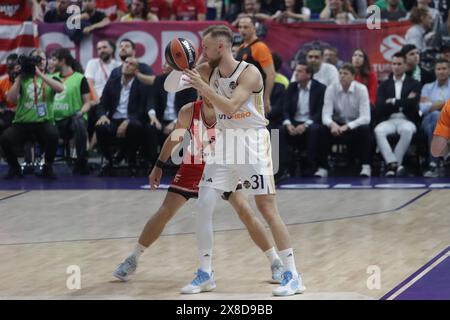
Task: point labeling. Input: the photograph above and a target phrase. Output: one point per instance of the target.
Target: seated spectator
(164, 107)
(422, 23)
(97, 74)
(398, 107)
(70, 107)
(365, 75)
(413, 67)
(188, 10)
(91, 19)
(433, 98)
(34, 96)
(253, 9)
(302, 110)
(292, 11)
(113, 9)
(21, 10)
(7, 108)
(393, 11)
(139, 12)
(323, 72)
(335, 7)
(346, 112)
(127, 49)
(161, 8)
(99, 69)
(59, 13)
(121, 116)
(331, 56)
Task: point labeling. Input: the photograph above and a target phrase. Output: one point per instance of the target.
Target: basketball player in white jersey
(198, 119)
(235, 89)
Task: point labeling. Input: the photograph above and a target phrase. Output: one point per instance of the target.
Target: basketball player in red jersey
(196, 118)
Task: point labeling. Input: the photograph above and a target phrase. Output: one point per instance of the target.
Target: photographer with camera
(34, 92)
(7, 108)
(71, 107)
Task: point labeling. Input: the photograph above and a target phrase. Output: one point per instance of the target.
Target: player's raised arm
(249, 82)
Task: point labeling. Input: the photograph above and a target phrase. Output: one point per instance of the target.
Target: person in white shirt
(98, 69)
(422, 21)
(97, 74)
(324, 72)
(346, 112)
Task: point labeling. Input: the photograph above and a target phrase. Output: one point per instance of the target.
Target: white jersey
(250, 114)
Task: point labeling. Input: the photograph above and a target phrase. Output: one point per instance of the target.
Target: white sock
(272, 255)
(287, 256)
(205, 258)
(138, 250)
(205, 205)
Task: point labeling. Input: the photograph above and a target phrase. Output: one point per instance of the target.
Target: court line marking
(409, 202)
(416, 276)
(14, 195)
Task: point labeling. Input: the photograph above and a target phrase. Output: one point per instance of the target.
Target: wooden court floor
(338, 237)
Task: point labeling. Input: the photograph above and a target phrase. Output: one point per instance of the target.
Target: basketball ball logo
(232, 85)
(180, 54)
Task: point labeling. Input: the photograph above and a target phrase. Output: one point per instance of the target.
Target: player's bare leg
(257, 232)
(292, 282)
(152, 230)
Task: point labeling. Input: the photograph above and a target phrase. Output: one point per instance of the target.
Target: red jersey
(110, 7)
(188, 10)
(190, 172)
(14, 10)
(160, 8)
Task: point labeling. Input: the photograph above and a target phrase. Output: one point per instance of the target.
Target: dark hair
(298, 5)
(315, 48)
(144, 9)
(417, 14)
(219, 31)
(133, 45)
(364, 71)
(277, 61)
(111, 43)
(349, 67)
(309, 68)
(442, 61)
(12, 56)
(399, 55)
(64, 54)
(252, 18)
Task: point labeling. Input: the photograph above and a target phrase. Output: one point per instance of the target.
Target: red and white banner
(16, 37)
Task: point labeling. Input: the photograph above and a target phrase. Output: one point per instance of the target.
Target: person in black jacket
(162, 113)
(302, 109)
(398, 108)
(121, 114)
(413, 67)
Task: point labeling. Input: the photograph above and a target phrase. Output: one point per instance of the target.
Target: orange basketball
(180, 54)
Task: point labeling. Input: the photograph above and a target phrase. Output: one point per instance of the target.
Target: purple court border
(415, 274)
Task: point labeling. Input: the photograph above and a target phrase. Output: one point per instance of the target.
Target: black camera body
(28, 64)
